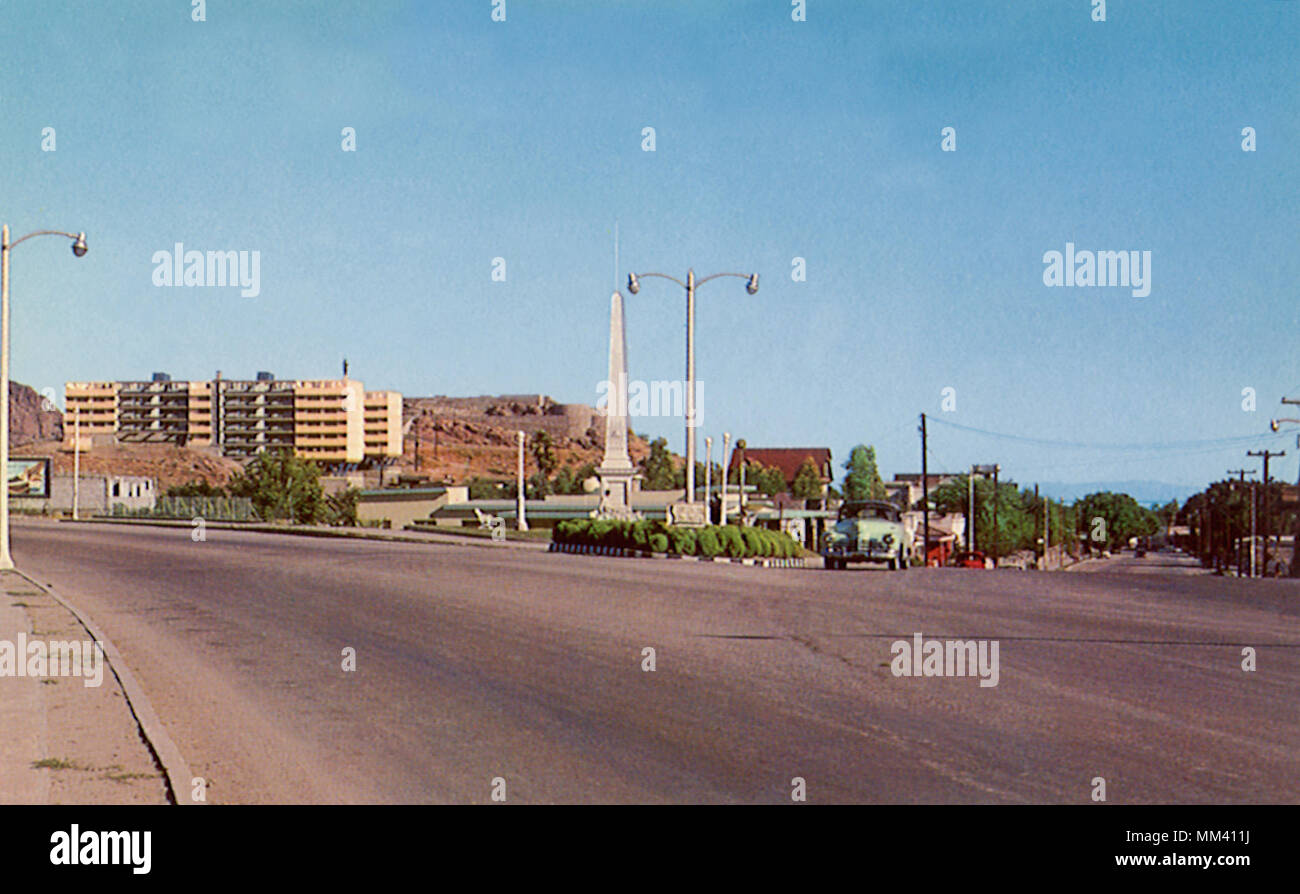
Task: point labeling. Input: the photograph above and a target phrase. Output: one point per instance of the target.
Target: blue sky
(775, 139)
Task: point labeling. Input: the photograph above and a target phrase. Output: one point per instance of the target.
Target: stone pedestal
(688, 515)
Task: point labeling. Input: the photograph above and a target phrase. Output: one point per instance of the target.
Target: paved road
(476, 663)
(1163, 563)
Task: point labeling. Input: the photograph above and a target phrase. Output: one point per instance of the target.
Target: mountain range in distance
(1145, 492)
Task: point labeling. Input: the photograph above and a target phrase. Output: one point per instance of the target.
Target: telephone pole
(1241, 477)
(1266, 455)
(925, 499)
(997, 539)
(970, 515)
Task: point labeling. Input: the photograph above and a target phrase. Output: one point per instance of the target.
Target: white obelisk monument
(616, 473)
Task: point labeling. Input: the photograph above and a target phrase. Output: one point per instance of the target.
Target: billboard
(29, 476)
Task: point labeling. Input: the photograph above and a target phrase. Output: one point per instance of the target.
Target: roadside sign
(29, 476)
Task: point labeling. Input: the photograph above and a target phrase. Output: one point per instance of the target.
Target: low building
(788, 460)
(98, 495)
(907, 489)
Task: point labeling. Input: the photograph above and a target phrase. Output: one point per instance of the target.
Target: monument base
(688, 515)
(616, 488)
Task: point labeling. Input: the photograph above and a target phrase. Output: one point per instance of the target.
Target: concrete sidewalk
(23, 710)
(69, 736)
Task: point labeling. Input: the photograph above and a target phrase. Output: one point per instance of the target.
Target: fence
(235, 509)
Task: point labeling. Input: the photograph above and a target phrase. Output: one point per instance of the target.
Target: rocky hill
(460, 438)
(31, 417)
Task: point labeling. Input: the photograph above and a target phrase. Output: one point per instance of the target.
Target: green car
(867, 531)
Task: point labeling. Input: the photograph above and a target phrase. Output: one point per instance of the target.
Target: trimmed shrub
(753, 542)
(641, 535)
(682, 541)
(706, 543)
(733, 542)
(659, 543)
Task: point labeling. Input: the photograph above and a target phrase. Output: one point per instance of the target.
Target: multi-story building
(328, 420)
(383, 423)
(91, 410)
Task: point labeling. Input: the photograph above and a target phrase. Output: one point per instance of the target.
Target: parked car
(867, 531)
(970, 559)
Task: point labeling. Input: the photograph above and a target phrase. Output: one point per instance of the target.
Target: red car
(972, 559)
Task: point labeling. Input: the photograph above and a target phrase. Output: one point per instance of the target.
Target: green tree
(564, 482)
(1108, 520)
(543, 450)
(487, 489)
(585, 471)
(341, 509)
(807, 484)
(768, 479)
(862, 479)
(1019, 514)
(281, 484)
(537, 486)
(658, 467)
(199, 487)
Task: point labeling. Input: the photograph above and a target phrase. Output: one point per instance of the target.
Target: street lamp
(78, 249)
(634, 286)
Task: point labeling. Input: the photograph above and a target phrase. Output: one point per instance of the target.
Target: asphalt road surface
(480, 662)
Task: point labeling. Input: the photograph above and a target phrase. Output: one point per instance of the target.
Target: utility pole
(1254, 501)
(521, 522)
(996, 539)
(1047, 525)
(1266, 455)
(925, 499)
(708, 481)
(970, 517)
(76, 460)
(726, 466)
(1241, 478)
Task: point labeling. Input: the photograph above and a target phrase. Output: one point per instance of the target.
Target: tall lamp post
(78, 249)
(634, 286)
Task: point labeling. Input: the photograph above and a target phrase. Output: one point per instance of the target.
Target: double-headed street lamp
(634, 286)
(78, 249)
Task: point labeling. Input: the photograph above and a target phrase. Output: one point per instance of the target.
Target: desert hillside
(458, 438)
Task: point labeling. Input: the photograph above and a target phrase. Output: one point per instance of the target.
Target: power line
(1214, 443)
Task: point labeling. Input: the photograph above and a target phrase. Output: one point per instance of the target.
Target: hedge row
(732, 541)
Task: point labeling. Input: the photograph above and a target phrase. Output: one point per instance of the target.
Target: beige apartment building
(328, 420)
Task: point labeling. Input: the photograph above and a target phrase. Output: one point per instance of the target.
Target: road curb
(339, 533)
(176, 771)
(626, 553)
